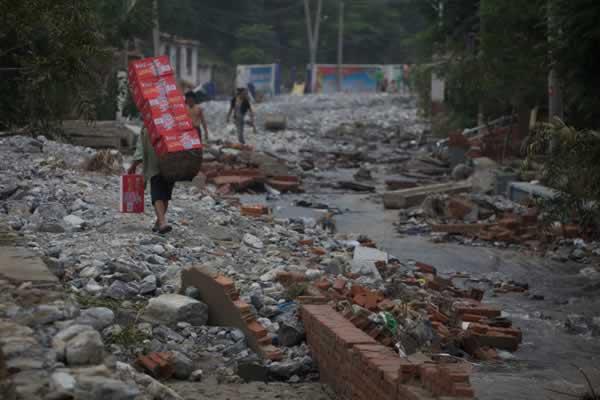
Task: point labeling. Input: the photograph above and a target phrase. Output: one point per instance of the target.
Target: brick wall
(359, 368)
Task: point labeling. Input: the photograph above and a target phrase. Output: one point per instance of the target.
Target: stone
(461, 172)
(172, 308)
(192, 292)
(363, 262)
(253, 372)
(84, 349)
(149, 285)
(93, 287)
(183, 366)
(576, 324)
(235, 349)
(73, 221)
(62, 382)
(312, 274)
(152, 387)
(50, 227)
(285, 370)
(51, 212)
(47, 314)
(91, 272)
(98, 318)
(60, 340)
(197, 376)
(208, 202)
(252, 241)
(120, 290)
(101, 388)
(237, 335)
(291, 333)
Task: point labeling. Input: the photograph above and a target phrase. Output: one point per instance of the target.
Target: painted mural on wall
(355, 78)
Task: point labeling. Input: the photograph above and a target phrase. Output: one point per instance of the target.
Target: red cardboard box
(149, 68)
(150, 113)
(146, 90)
(132, 194)
(175, 141)
(166, 124)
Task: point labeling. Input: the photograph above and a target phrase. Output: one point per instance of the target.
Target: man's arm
(138, 156)
(231, 106)
(250, 110)
(203, 122)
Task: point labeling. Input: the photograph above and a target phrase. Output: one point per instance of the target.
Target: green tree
(51, 54)
(577, 49)
(257, 45)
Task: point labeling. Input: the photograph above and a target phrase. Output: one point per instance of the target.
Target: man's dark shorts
(160, 189)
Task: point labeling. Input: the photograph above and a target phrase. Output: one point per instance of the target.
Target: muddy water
(548, 354)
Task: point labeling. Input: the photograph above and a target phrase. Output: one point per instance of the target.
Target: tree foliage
(570, 160)
(50, 51)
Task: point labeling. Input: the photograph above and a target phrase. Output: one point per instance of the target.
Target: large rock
(99, 318)
(84, 349)
(172, 308)
(120, 290)
(183, 366)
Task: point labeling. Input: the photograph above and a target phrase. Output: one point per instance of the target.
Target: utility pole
(340, 48)
(313, 33)
(155, 29)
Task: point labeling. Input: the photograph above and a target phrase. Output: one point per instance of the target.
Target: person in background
(197, 115)
(161, 189)
(240, 106)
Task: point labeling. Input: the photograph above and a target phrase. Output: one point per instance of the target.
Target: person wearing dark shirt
(240, 106)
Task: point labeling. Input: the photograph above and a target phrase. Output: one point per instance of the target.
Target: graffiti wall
(355, 78)
(266, 79)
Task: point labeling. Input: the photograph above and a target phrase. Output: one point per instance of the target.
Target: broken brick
(318, 251)
(323, 284)
(459, 208)
(257, 329)
(426, 268)
(158, 365)
(254, 210)
(289, 278)
(339, 285)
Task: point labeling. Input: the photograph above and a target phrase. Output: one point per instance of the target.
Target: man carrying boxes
(169, 146)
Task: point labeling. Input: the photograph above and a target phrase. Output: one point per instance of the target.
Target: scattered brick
(158, 365)
(426, 268)
(289, 278)
(255, 210)
(339, 285)
(323, 284)
(318, 251)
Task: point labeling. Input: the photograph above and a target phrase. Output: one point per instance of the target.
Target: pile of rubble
(476, 219)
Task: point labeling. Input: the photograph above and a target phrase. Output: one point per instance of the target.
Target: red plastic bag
(132, 194)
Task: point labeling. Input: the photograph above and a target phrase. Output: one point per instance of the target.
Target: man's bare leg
(160, 208)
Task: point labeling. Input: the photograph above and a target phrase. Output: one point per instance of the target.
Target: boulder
(172, 308)
(84, 349)
(183, 366)
(98, 318)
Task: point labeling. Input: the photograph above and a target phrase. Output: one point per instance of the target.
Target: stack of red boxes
(162, 105)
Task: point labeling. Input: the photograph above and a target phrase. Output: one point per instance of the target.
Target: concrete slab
(412, 197)
(22, 265)
(522, 192)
